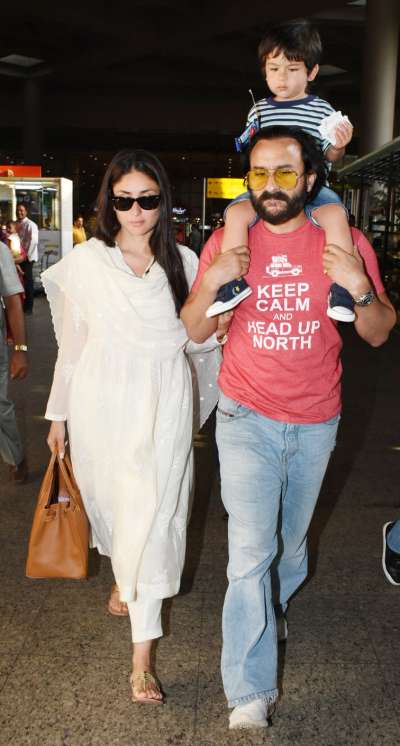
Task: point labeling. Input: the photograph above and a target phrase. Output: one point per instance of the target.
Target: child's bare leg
(333, 220)
(236, 230)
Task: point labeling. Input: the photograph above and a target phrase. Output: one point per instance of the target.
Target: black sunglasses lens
(150, 202)
(122, 203)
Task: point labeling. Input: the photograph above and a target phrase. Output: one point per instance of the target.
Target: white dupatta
(122, 368)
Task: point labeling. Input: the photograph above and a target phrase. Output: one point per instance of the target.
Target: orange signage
(11, 170)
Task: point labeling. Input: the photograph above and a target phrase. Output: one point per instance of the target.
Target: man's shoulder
(360, 240)
(213, 243)
(5, 255)
(9, 281)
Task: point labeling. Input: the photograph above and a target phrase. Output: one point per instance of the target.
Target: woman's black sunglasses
(147, 202)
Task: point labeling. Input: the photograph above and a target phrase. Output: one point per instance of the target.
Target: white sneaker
(229, 300)
(252, 715)
(340, 313)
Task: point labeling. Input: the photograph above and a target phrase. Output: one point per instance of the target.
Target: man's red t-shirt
(282, 357)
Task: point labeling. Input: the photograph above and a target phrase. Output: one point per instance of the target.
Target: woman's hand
(56, 438)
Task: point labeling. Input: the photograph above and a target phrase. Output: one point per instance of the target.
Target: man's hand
(226, 267)
(19, 364)
(224, 322)
(346, 269)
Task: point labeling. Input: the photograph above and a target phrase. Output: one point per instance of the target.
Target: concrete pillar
(379, 75)
(32, 128)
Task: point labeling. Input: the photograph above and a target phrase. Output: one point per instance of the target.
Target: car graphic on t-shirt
(281, 266)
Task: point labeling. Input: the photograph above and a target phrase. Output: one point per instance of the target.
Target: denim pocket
(229, 409)
(333, 425)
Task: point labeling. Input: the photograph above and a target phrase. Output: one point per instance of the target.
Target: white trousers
(145, 616)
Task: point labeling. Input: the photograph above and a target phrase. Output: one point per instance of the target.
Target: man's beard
(293, 206)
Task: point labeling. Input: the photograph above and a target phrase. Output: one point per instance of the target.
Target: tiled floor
(64, 662)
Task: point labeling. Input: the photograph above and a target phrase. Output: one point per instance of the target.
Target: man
(78, 231)
(3, 234)
(195, 240)
(280, 399)
(29, 235)
(11, 448)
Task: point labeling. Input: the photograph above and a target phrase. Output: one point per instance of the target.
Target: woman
(124, 384)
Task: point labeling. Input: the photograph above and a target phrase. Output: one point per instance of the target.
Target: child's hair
(298, 40)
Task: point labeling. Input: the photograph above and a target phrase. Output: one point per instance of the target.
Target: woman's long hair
(162, 240)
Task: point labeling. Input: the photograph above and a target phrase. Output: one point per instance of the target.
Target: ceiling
(167, 75)
(153, 67)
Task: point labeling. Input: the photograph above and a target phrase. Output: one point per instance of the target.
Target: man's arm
(374, 322)
(33, 234)
(223, 268)
(15, 316)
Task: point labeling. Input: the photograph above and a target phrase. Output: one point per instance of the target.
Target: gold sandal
(118, 610)
(138, 682)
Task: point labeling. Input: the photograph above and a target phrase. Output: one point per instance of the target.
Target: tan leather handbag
(59, 540)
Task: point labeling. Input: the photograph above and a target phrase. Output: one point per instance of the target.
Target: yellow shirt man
(78, 231)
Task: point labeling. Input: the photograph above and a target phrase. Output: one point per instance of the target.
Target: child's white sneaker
(251, 715)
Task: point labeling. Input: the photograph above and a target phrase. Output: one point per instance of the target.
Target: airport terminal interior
(80, 82)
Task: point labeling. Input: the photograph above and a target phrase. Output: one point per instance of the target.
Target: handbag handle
(65, 468)
(48, 479)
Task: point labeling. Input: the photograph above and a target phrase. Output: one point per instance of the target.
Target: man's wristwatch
(366, 299)
(20, 348)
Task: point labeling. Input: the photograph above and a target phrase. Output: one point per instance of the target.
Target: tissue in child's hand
(329, 124)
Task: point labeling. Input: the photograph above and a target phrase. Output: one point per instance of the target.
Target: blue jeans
(11, 449)
(271, 474)
(393, 537)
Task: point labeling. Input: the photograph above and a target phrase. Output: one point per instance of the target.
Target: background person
(29, 235)
(280, 401)
(391, 552)
(195, 238)
(78, 231)
(11, 448)
(13, 242)
(123, 383)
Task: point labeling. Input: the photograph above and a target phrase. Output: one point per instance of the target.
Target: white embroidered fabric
(124, 383)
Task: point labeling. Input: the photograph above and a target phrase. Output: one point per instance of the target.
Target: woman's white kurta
(123, 382)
